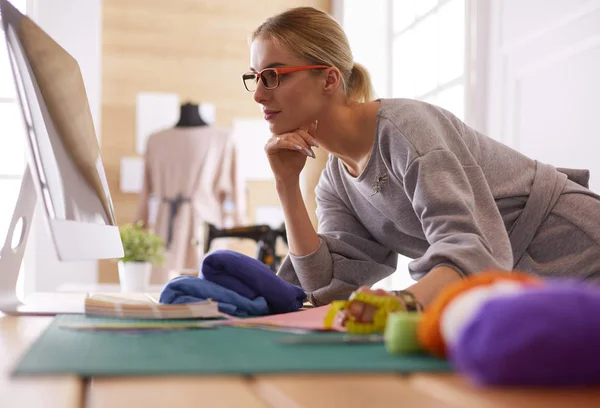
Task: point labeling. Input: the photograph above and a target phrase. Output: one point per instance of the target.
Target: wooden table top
(294, 391)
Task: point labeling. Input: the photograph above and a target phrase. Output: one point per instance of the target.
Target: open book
(146, 306)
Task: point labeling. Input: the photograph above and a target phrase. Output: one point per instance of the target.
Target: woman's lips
(269, 115)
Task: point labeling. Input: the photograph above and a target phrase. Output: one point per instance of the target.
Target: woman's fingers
(361, 312)
(289, 141)
(308, 139)
(300, 140)
(307, 134)
(356, 309)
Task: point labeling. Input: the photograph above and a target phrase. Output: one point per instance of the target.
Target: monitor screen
(64, 149)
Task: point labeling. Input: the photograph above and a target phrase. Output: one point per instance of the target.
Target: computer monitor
(64, 166)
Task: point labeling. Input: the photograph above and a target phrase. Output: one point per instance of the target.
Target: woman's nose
(260, 94)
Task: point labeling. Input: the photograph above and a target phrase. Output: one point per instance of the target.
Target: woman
(403, 177)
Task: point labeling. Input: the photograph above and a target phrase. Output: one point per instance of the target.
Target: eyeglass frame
(278, 72)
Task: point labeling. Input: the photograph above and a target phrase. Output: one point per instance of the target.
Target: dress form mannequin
(190, 116)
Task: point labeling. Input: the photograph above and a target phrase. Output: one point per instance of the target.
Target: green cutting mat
(223, 350)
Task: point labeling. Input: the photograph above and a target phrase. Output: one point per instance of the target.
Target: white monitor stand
(11, 258)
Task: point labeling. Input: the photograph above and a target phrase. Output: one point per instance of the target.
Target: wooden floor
(281, 391)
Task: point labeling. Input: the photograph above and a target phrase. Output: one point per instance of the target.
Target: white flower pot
(134, 276)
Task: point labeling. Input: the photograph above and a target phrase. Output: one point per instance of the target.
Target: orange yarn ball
(428, 330)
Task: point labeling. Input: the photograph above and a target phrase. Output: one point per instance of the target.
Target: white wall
(76, 26)
(544, 87)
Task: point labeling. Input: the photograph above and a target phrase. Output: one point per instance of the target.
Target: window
(12, 137)
(428, 52)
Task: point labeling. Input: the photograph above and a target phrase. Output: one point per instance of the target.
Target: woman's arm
(343, 256)
(430, 285)
(301, 236)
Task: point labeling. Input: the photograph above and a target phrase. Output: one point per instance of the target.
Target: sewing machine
(264, 235)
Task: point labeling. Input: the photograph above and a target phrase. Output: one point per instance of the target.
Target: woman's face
(298, 99)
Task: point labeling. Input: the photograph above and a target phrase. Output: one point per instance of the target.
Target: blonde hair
(315, 36)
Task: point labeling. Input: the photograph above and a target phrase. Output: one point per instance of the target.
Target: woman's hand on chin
(287, 152)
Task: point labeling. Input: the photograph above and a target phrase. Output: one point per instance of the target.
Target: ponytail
(359, 86)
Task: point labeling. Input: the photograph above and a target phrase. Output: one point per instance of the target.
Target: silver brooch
(378, 183)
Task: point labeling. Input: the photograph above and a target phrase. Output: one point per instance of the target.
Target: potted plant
(142, 249)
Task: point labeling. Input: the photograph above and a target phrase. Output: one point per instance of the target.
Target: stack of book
(146, 306)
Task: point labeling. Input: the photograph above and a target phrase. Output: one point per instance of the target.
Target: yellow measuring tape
(384, 304)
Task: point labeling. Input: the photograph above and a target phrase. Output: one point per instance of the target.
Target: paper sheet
(309, 319)
(132, 174)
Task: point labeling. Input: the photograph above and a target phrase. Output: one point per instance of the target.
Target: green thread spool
(401, 333)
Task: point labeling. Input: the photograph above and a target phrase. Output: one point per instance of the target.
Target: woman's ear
(333, 79)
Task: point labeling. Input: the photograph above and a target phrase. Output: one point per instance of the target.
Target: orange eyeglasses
(270, 76)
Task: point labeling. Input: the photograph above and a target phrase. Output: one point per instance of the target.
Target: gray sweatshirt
(433, 190)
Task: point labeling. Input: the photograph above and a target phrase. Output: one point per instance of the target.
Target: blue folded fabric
(188, 289)
(251, 278)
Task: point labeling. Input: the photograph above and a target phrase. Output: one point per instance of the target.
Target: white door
(543, 94)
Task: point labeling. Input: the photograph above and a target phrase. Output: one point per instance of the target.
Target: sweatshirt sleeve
(459, 216)
(347, 256)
